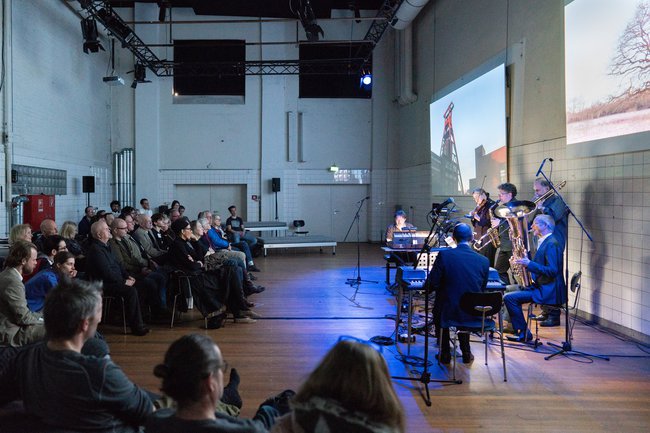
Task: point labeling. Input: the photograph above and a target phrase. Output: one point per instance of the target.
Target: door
(197, 198)
(329, 210)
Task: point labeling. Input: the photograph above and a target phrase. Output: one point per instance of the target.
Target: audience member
(102, 265)
(18, 325)
(116, 208)
(86, 221)
(45, 258)
(349, 391)
(61, 385)
(20, 232)
(146, 237)
(217, 288)
(48, 228)
(219, 240)
(144, 207)
(152, 284)
(69, 234)
(236, 230)
(193, 375)
(39, 286)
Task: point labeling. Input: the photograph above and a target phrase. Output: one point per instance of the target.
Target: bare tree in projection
(632, 57)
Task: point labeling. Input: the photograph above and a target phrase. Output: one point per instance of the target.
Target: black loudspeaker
(275, 184)
(88, 184)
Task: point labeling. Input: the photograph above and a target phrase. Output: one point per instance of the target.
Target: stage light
(139, 75)
(333, 168)
(90, 35)
(365, 82)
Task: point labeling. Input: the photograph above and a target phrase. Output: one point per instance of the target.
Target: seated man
(546, 271)
(153, 284)
(65, 388)
(102, 265)
(146, 237)
(48, 228)
(86, 221)
(236, 230)
(219, 241)
(45, 257)
(18, 325)
(454, 273)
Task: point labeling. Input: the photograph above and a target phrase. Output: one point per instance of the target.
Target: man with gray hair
(548, 282)
(62, 386)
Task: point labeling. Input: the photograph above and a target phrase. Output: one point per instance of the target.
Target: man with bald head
(102, 265)
(48, 228)
(454, 273)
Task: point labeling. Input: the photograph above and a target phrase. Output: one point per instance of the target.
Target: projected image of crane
(451, 177)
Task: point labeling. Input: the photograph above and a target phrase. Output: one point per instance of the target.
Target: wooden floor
(305, 311)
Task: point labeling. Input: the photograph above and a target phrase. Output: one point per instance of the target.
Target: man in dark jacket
(454, 273)
(102, 265)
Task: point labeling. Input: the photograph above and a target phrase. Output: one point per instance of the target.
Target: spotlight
(139, 75)
(365, 82)
(90, 35)
(308, 20)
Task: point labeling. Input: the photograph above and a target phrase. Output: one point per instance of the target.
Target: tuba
(516, 213)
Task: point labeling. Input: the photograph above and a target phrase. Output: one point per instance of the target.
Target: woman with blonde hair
(349, 391)
(20, 232)
(69, 233)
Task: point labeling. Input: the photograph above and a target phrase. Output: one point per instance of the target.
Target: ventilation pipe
(406, 13)
(404, 66)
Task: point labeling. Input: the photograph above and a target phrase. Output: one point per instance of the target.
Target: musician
(455, 272)
(507, 193)
(481, 222)
(554, 207)
(399, 225)
(546, 270)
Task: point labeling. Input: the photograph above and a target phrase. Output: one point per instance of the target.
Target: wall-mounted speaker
(88, 183)
(275, 184)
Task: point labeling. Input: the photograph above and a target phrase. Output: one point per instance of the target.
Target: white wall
(61, 116)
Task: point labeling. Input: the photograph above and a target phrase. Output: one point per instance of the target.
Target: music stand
(356, 282)
(425, 376)
(566, 347)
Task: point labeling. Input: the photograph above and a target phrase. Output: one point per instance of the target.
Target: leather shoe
(540, 317)
(250, 313)
(468, 358)
(551, 321)
(443, 358)
(521, 338)
(253, 268)
(140, 331)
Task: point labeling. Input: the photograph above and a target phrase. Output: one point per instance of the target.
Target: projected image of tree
(607, 69)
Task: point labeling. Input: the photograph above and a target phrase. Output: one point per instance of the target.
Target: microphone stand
(566, 347)
(356, 282)
(425, 376)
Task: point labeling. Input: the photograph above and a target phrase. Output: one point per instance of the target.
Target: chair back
(473, 302)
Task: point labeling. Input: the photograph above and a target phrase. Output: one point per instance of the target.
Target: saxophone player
(555, 208)
(507, 193)
(481, 223)
(548, 282)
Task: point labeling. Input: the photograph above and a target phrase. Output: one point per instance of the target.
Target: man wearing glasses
(507, 193)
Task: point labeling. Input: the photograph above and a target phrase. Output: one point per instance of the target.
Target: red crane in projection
(448, 154)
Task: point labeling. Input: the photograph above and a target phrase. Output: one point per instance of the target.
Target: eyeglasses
(187, 228)
(223, 367)
(121, 228)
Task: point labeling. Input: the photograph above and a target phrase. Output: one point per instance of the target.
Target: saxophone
(491, 235)
(518, 223)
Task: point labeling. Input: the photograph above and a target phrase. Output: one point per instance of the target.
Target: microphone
(365, 198)
(444, 204)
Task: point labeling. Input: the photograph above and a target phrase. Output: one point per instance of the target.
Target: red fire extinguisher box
(38, 208)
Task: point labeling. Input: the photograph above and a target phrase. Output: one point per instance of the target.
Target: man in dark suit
(548, 282)
(454, 273)
(102, 265)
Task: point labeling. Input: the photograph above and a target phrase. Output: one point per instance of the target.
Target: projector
(114, 80)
